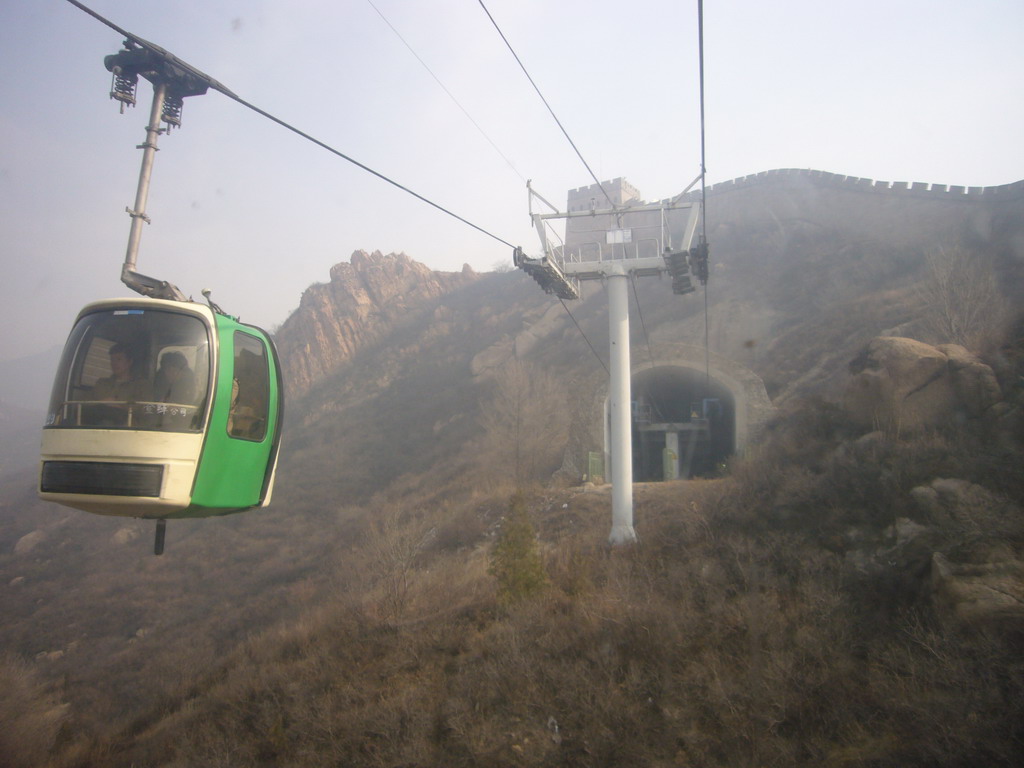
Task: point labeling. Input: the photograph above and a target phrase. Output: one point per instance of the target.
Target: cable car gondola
(162, 407)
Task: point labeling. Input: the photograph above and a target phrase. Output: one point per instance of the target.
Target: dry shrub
(704, 646)
(941, 697)
(343, 690)
(395, 545)
(459, 528)
(816, 476)
(962, 300)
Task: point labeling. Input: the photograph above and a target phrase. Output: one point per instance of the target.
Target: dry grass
(30, 716)
(709, 644)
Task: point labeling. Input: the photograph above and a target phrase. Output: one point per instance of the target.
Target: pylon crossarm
(547, 274)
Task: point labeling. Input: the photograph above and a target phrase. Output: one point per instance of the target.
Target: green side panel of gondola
(233, 470)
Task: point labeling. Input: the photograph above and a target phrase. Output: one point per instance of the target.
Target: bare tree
(525, 422)
(396, 542)
(963, 303)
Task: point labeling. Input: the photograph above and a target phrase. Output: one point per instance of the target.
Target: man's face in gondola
(120, 365)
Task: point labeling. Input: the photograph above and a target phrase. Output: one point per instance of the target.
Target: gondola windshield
(138, 369)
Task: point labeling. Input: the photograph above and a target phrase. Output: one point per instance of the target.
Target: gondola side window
(250, 389)
(133, 369)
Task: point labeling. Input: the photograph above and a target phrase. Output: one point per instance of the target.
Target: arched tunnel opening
(683, 424)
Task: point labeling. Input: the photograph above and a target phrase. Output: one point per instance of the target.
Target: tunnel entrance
(683, 423)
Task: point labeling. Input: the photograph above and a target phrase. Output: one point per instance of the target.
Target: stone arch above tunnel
(681, 367)
(683, 422)
(751, 403)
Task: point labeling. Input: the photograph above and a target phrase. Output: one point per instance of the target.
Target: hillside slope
(355, 620)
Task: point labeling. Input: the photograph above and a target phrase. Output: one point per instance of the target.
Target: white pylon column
(619, 408)
(560, 271)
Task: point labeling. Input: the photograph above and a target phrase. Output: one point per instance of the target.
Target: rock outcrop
(961, 544)
(902, 384)
(968, 511)
(364, 299)
(958, 550)
(979, 593)
(974, 383)
(28, 542)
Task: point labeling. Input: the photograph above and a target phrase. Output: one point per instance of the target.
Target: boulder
(28, 542)
(125, 535)
(974, 382)
(966, 511)
(979, 593)
(910, 364)
(903, 384)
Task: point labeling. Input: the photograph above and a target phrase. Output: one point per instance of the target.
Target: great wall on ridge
(901, 188)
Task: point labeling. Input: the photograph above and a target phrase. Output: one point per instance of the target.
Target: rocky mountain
(365, 297)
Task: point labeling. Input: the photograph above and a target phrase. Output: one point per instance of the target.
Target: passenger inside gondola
(249, 390)
(135, 369)
(123, 385)
(174, 390)
(175, 382)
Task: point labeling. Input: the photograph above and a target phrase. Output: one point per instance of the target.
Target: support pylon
(620, 413)
(560, 275)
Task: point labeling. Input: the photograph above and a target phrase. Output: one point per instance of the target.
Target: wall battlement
(578, 199)
(821, 195)
(620, 190)
(901, 188)
(619, 181)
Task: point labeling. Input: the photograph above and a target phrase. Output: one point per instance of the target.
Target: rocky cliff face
(365, 298)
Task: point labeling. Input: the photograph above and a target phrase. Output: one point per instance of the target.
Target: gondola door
(239, 458)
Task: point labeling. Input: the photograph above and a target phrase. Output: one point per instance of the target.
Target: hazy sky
(900, 90)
